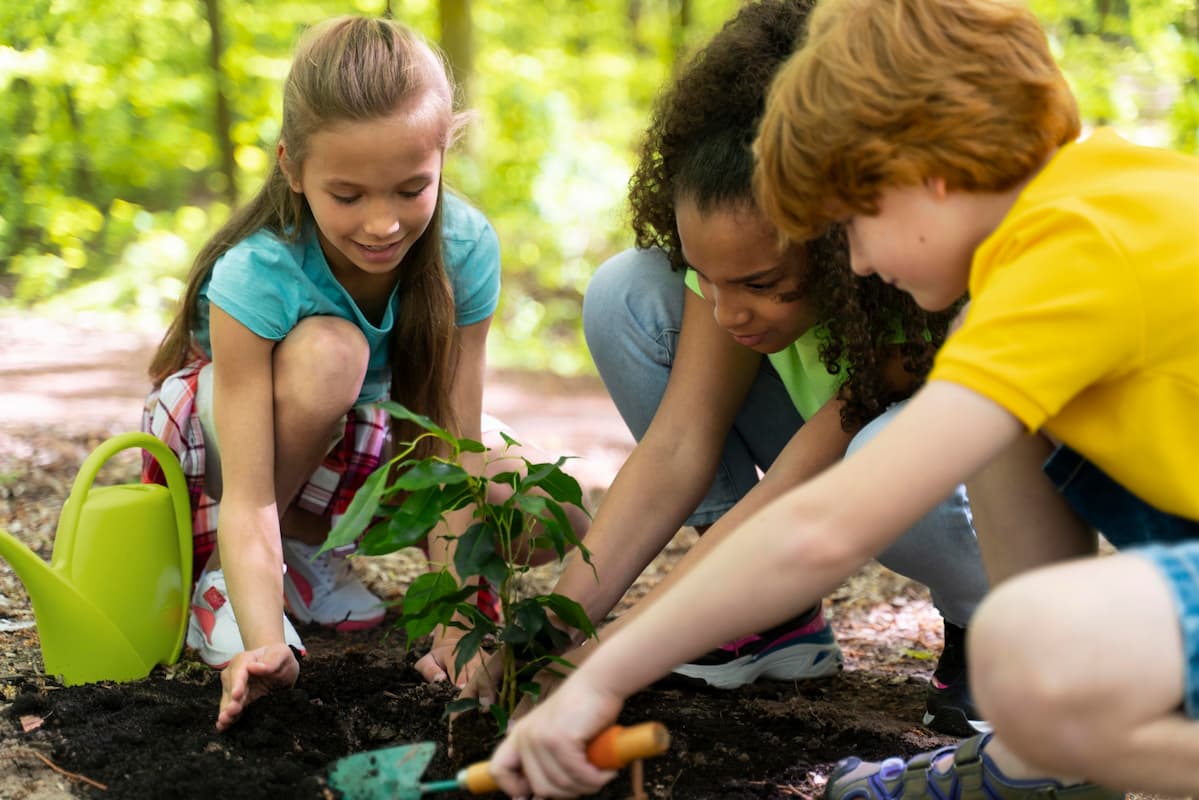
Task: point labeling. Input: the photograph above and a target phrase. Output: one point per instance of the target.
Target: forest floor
(66, 385)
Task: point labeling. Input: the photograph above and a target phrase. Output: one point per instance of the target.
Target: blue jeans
(1169, 541)
(632, 313)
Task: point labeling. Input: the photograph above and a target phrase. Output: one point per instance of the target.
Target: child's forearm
(745, 580)
(252, 560)
(646, 505)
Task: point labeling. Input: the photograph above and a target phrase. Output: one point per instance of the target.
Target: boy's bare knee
(1025, 675)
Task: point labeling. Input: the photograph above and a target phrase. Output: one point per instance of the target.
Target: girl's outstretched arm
(783, 559)
(671, 468)
(248, 529)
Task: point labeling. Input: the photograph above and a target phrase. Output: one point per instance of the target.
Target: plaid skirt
(170, 415)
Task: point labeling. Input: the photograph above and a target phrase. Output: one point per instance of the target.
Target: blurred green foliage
(112, 144)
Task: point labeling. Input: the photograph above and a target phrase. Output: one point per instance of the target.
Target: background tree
(124, 137)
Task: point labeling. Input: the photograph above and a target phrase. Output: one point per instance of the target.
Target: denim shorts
(1169, 541)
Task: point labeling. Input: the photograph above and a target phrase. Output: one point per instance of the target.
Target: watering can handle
(612, 749)
(68, 522)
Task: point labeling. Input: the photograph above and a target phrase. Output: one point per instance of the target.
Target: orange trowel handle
(612, 749)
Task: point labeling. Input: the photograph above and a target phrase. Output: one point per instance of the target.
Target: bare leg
(1020, 519)
(1080, 669)
(319, 369)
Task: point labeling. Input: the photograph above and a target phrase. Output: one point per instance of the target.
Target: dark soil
(155, 737)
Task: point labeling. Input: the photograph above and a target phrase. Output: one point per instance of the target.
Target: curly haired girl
(774, 363)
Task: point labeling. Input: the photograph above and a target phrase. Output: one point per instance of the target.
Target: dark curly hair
(699, 146)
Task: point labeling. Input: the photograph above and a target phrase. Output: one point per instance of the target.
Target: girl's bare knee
(323, 362)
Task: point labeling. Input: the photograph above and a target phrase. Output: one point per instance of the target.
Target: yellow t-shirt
(1084, 318)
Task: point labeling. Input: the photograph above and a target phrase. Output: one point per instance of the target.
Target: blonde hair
(888, 92)
(351, 69)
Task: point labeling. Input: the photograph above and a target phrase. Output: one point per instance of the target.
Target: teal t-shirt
(269, 284)
(809, 383)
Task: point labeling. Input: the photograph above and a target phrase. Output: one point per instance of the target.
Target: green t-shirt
(809, 383)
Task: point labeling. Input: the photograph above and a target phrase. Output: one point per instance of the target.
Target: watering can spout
(112, 602)
(78, 641)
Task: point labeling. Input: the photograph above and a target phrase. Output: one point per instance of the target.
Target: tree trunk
(456, 41)
(680, 25)
(223, 120)
(84, 185)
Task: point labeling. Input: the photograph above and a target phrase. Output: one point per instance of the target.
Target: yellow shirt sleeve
(1053, 311)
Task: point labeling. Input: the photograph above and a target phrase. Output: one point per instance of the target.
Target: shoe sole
(954, 722)
(797, 662)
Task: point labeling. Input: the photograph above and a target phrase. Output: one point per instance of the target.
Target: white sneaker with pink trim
(212, 629)
(324, 589)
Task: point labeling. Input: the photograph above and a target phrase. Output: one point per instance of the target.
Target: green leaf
(554, 482)
(361, 511)
(429, 591)
(471, 446)
(496, 570)
(500, 715)
(401, 412)
(460, 705)
(474, 549)
(435, 603)
(531, 617)
(429, 473)
(467, 646)
(569, 612)
(532, 689)
(507, 478)
(407, 525)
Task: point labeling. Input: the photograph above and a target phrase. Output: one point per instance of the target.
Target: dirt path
(90, 376)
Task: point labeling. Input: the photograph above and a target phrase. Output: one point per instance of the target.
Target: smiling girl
(352, 277)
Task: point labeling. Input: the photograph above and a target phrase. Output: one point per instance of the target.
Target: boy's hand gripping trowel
(394, 773)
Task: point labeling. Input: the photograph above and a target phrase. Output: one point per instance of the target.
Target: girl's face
(372, 187)
(745, 274)
(921, 240)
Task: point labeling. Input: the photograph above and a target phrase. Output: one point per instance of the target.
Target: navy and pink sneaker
(324, 589)
(798, 649)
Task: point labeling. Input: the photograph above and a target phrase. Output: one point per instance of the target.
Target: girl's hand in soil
(438, 664)
(545, 753)
(253, 674)
(482, 683)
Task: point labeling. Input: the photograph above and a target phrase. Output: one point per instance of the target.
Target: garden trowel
(394, 773)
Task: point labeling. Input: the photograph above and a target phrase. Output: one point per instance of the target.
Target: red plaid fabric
(170, 414)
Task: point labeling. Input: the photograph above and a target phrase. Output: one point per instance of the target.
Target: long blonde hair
(351, 69)
(885, 93)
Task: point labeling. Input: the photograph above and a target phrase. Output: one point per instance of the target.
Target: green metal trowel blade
(392, 773)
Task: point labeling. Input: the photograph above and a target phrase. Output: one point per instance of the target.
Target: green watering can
(112, 602)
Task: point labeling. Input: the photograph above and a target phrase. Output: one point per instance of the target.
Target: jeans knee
(627, 299)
